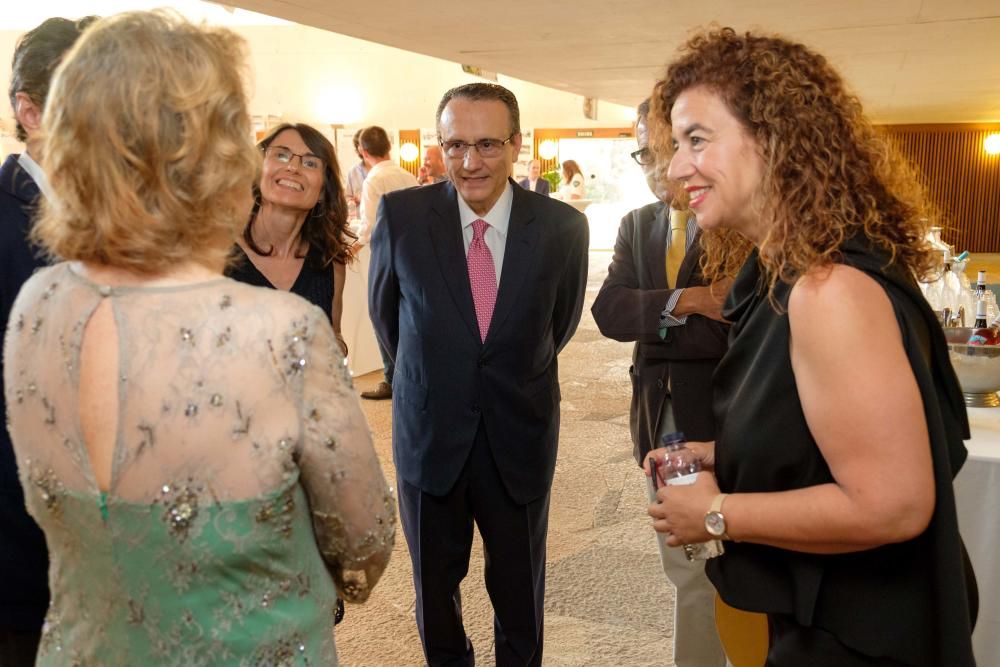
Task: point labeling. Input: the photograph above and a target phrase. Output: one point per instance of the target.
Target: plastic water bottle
(682, 467)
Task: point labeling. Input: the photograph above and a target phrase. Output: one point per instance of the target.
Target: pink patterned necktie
(482, 277)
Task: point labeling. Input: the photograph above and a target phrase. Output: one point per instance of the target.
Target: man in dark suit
(534, 180)
(655, 296)
(24, 561)
(476, 285)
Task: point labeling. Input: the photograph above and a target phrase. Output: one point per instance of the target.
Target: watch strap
(717, 502)
(716, 508)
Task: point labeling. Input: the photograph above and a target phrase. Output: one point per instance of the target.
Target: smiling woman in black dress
(298, 238)
(840, 420)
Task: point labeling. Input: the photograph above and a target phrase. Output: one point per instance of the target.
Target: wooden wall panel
(410, 137)
(962, 180)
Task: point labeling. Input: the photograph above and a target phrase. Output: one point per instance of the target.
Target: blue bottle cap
(676, 437)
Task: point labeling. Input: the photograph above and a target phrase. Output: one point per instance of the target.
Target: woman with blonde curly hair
(840, 420)
(190, 445)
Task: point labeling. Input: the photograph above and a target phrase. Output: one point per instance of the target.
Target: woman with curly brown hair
(840, 418)
(298, 238)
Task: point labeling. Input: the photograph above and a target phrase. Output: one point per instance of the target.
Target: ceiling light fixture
(548, 149)
(991, 144)
(409, 152)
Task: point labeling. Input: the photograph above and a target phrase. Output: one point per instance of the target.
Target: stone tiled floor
(607, 601)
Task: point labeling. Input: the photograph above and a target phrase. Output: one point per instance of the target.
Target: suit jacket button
(659, 384)
(475, 407)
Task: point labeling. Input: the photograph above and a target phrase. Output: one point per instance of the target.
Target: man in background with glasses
(476, 285)
(384, 176)
(654, 295)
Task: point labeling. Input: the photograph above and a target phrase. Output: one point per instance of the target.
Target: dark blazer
(541, 185)
(24, 561)
(628, 308)
(446, 379)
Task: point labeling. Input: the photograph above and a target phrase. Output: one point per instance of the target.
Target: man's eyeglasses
(643, 157)
(485, 147)
(284, 156)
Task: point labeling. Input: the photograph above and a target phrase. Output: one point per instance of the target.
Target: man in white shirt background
(384, 176)
(356, 176)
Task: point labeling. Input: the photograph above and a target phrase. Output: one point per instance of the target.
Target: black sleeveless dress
(904, 603)
(314, 282)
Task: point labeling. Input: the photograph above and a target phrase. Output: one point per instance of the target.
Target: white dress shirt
(35, 171)
(667, 317)
(498, 219)
(386, 176)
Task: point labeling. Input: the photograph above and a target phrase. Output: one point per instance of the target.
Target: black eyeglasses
(485, 147)
(284, 156)
(643, 157)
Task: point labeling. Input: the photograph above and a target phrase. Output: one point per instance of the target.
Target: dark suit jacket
(24, 561)
(446, 379)
(541, 185)
(628, 308)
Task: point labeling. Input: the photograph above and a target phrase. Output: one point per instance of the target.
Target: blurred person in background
(833, 496)
(432, 170)
(655, 296)
(384, 176)
(356, 176)
(23, 559)
(572, 185)
(298, 238)
(191, 446)
(534, 181)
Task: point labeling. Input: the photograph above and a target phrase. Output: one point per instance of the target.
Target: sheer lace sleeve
(352, 507)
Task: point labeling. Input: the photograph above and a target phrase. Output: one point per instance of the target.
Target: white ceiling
(910, 61)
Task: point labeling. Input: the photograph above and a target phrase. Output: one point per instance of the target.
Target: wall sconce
(991, 144)
(409, 152)
(548, 149)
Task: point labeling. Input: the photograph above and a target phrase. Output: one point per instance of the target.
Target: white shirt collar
(498, 217)
(35, 171)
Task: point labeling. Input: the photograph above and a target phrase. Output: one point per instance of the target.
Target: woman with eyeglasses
(298, 238)
(191, 446)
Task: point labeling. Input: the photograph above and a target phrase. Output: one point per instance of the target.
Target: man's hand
(706, 301)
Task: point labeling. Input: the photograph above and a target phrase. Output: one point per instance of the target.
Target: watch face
(715, 524)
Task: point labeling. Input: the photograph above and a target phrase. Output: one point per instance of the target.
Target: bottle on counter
(979, 291)
(951, 286)
(982, 333)
(682, 467)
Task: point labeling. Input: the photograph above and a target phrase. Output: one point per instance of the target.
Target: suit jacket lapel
(522, 242)
(655, 252)
(446, 235)
(18, 182)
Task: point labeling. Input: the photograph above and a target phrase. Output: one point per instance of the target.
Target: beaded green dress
(244, 485)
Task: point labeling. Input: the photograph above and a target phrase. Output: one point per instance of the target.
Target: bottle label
(683, 480)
